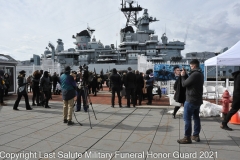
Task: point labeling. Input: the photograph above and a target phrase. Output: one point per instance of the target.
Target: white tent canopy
(231, 57)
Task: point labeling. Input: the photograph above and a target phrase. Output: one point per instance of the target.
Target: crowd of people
(188, 92)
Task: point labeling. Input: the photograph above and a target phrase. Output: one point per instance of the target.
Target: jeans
(189, 111)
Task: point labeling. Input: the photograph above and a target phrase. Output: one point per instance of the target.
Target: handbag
(172, 102)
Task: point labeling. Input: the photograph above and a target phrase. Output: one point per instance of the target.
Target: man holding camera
(80, 93)
(68, 86)
(194, 91)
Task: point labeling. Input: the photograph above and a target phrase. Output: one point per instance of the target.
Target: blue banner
(164, 72)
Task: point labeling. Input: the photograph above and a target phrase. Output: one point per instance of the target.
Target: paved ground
(130, 133)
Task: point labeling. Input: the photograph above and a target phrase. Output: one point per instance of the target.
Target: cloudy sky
(26, 26)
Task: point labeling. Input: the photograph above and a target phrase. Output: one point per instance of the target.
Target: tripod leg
(90, 102)
(75, 114)
(94, 112)
(89, 119)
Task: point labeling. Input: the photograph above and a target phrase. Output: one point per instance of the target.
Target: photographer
(80, 93)
(82, 81)
(22, 91)
(68, 86)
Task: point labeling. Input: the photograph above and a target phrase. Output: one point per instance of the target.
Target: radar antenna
(90, 30)
(130, 13)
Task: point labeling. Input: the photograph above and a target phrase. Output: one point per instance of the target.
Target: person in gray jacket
(194, 91)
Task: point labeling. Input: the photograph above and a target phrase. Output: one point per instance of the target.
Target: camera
(84, 70)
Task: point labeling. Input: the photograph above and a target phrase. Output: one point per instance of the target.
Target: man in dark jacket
(130, 85)
(68, 86)
(235, 103)
(177, 74)
(149, 85)
(194, 91)
(45, 86)
(116, 85)
(180, 91)
(55, 80)
(139, 87)
(22, 91)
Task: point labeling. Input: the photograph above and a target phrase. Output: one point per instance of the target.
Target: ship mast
(130, 13)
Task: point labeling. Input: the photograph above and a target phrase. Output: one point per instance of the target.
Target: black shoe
(70, 123)
(134, 105)
(29, 108)
(226, 127)
(33, 104)
(173, 116)
(77, 110)
(65, 121)
(47, 107)
(112, 106)
(120, 106)
(38, 104)
(15, 109)
(127, 106)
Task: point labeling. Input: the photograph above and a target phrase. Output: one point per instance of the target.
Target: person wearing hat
(45, 88)
(149, 85)
(68, 86)
(22, 91)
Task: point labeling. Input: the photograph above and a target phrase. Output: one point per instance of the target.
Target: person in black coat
(139, 87)
(116, 86)
(94, 84)
(180, 92)
(2, 87)
(235, 102)
(7, 83)
(130, 85)
(45, 87)
(55, 80)
(35, 88)
(22, 91)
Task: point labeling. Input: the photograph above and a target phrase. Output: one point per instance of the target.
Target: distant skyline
(27, 26)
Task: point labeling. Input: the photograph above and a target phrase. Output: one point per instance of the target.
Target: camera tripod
(88, 102)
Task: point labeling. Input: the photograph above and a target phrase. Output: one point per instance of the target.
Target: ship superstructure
(136, 38)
